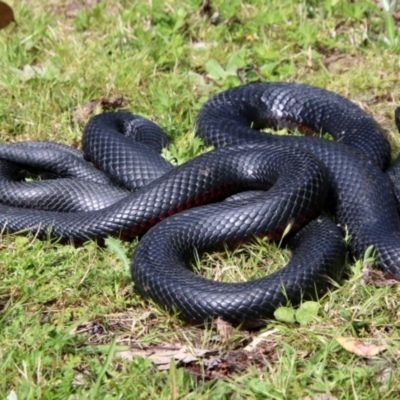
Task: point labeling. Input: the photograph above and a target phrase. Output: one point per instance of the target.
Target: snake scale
(253, 184)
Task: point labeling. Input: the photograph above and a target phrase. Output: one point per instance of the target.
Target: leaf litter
(359, 347)
(209, 360)
(6, 15)
(82, 113)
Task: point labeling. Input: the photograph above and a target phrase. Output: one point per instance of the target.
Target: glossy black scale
(308, 172)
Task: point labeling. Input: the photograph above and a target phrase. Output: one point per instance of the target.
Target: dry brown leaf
(259, 339)
(372, 276)
(339, 63)
(360, 348)
(73, 8)
(147, 315)
(82, 113)
(6, 15)
(161, 356)
(79, 380)
(224, 329)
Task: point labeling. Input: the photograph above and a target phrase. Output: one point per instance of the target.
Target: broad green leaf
(235, 62)
(215, 71)
(285, 314)
(307, 312)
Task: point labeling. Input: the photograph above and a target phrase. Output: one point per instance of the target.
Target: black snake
(288, 180)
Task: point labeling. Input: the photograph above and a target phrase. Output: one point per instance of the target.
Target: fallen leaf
(12, 395)
(30, 71)
(73, 9)
(45, 71)
(147, 315)
(385, 375)
(372, 276)
(237, 360)
(6, 15)
(224, 329)
(161, 356)
(79, 380)
(360, 348)
(259, 339)
(82, 113)
(339, 63)
(213, 362)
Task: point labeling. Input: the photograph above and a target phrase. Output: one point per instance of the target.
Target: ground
(71, 323)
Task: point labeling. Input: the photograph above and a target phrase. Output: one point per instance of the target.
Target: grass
(67, 311)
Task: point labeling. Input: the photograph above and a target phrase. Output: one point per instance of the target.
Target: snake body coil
(346, 176)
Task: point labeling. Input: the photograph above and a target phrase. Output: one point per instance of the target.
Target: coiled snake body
(303, 175)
